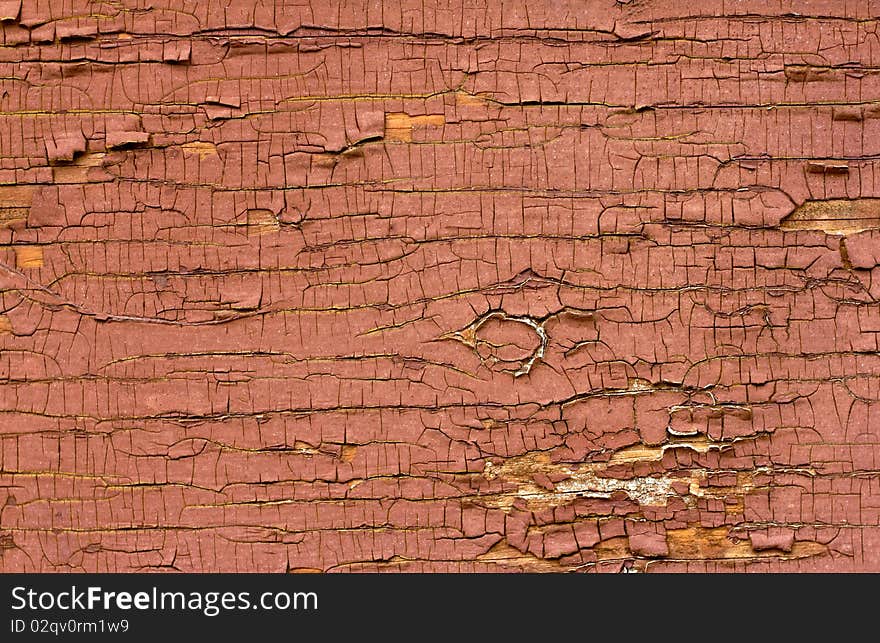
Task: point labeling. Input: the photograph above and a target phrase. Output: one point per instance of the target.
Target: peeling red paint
(484, 286)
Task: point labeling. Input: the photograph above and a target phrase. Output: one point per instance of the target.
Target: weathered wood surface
(440, 285)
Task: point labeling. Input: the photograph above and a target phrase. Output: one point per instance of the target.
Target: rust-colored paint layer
(497, 285)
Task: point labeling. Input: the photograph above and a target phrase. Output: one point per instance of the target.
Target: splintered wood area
(835, 216)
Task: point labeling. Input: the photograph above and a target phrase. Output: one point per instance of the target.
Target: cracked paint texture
(497, 285)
